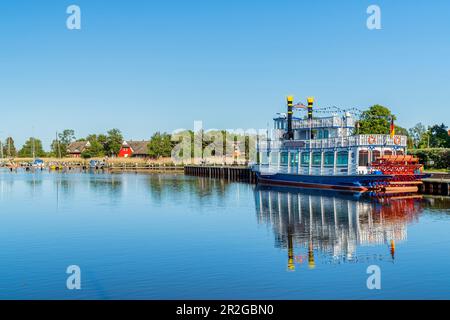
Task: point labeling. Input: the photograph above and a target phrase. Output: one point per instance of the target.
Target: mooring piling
(230, 173)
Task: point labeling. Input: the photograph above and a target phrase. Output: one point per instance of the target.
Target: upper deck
(364, 140)
(332, 122)
(326, 122)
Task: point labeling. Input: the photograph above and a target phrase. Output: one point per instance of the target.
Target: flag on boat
(392, 128)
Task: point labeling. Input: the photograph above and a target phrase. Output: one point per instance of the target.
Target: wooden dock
(231, 173)
(439, 183)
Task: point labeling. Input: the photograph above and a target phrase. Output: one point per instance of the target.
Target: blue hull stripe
(351, 181)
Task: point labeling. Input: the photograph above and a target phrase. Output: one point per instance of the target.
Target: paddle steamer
(328, 153)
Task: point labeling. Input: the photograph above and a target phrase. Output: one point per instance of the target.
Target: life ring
(397, 140)
(372, 140)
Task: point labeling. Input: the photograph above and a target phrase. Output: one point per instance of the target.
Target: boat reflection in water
(332, 225)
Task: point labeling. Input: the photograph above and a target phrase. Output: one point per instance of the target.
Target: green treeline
(431, 144)
(160, 144)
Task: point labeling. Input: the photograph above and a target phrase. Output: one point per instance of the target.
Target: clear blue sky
(144, 66)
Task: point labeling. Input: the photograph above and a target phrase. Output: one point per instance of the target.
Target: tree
(102, 139)
(376, 120)
(113, 142)
(9, 148)
(67, 136)
(59, 146)
(418, 134)
(439, 137)
(160, 145)
(433, 158)
(87, 154)
(32, 147)
(97, 148)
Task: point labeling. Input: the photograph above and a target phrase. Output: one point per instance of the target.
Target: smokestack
(290, 104)
(310, 108)
(310, 115)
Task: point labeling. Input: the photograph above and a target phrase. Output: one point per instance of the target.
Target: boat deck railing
(306, 170)
(329, 122)
(366, 140)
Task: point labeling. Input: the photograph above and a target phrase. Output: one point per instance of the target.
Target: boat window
(363, 158)
(305, 158)
(326, 134)
(388, 152)
(342, 158)
(317, 159)
(304, 135)
(264, 158)
(294, 160)
(329, 159)
(284, 159)
(274, 158)
(400, 152)
(375, 155)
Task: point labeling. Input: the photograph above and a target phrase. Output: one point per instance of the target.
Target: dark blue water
(176, 237)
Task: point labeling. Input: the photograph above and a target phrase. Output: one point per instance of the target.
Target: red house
(136, 149)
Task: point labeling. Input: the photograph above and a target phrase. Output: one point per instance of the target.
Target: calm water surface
(176, 237)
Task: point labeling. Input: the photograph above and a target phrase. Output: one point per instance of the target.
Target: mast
(58, 146)
(33, 148)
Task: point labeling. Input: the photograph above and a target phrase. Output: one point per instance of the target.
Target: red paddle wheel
(406, 172)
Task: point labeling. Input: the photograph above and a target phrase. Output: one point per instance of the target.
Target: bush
(433, 158)
(87, 154)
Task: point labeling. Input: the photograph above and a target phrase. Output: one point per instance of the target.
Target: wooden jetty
(231, 173)
(82, 166)
(144, 169)
(439, 183)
